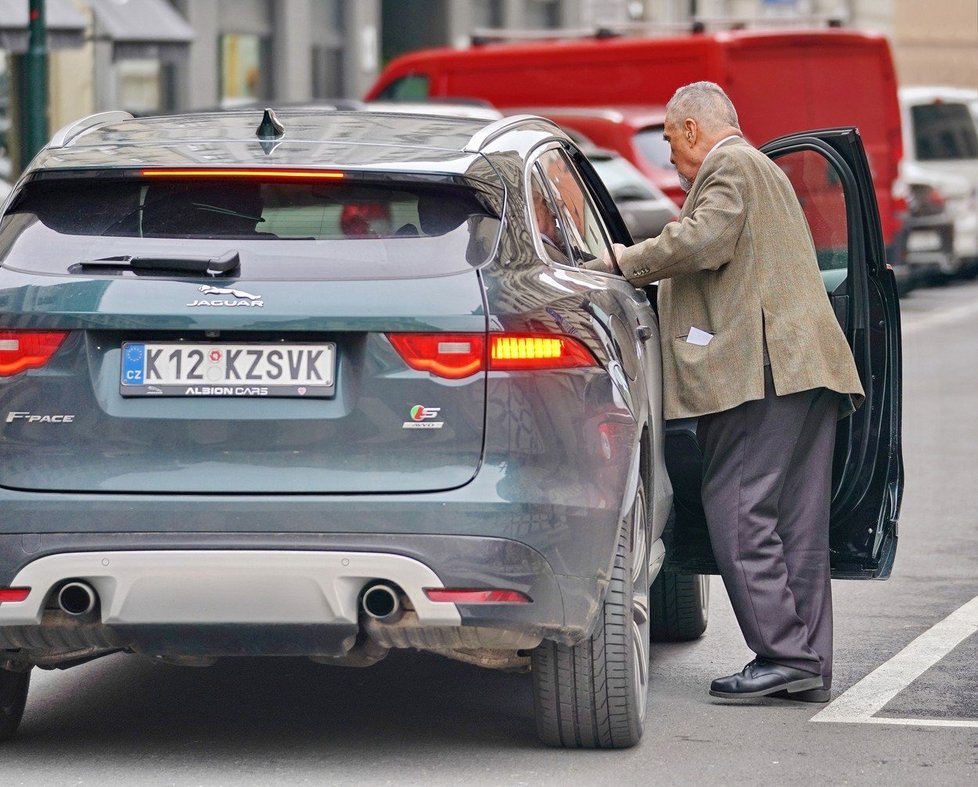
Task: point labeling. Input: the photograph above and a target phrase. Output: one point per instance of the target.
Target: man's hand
(610, 260)
(607, 262)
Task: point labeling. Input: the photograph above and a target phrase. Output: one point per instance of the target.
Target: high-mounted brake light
(22, 350)
(466, 596)
(455, 356)
(277, 174)
(14, 594)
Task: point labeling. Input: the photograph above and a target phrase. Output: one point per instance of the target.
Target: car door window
(549, 231)
(586, 235)
(822, 197)
(413, 87)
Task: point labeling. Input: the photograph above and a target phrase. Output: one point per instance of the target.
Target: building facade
(150, 56)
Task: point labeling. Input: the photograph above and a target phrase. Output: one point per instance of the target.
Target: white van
(940, 149)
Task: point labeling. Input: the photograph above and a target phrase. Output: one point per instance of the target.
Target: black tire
(594, 695)
(680, 606)
(13, 697)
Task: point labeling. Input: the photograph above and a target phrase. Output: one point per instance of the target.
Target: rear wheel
(594, 695)
(13, 696)
(680, 605)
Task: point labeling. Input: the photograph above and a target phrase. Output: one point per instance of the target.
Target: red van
(781, 82)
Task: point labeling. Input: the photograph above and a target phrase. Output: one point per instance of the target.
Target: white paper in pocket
(696, 336)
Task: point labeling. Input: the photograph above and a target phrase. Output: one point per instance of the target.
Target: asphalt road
(414, 719)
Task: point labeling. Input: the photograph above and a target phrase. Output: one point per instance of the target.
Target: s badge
(424, 418)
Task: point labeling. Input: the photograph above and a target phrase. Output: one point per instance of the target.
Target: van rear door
(831, 176)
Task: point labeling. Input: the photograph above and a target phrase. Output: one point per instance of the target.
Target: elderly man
(751, 346)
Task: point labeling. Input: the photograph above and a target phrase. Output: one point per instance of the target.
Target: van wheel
(680, 605)
(13, 697)
(594, 695)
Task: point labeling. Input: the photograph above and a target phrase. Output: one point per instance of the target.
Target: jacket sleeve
(704, 239)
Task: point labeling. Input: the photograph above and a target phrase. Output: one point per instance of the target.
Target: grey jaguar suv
(328, 383)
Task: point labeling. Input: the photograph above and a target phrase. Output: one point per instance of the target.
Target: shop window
(543, 14)
(244, 69)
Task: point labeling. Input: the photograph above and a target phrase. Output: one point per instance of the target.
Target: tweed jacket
(740, 264)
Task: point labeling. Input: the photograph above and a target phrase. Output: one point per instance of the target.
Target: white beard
(684, 183)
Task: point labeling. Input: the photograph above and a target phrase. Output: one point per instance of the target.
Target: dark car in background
(336, 382)
(928, 239)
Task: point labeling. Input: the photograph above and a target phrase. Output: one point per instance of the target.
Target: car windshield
(317, 228)
(944, 132)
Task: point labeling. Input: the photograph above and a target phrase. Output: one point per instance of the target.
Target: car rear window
(65, 222)
(944, 132)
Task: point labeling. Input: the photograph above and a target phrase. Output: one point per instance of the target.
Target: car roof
(313, 138)
(635, 117)
(476, 110)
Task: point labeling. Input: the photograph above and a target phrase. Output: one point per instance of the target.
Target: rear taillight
(455, 356)
(444, 355)
(21, 350)
(511, 352)
(14, 594)
(936, 200)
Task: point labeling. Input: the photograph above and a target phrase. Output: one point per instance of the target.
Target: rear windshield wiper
(224, 265)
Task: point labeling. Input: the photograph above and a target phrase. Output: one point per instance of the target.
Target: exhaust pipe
(381, 602)
(77, 598)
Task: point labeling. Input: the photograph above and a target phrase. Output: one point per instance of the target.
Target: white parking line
(861, 702)
(940, 318)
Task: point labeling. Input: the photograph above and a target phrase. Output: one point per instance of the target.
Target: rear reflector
(455, 356)
(21, 350)
(14, 594)
(457, 596)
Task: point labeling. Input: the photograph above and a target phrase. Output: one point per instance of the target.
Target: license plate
(924, 241)
(184, 369)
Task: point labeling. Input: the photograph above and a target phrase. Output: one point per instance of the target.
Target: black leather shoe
(812, 695)
(762, 677)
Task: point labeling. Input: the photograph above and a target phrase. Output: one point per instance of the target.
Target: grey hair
(706, 103)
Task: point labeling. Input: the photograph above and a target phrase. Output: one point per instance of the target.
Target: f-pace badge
(237, 297)
(37, 418)
(423, 418)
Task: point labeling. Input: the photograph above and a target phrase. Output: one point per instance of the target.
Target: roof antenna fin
(270, 127)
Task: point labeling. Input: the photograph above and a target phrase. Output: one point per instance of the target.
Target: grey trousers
(767, 485)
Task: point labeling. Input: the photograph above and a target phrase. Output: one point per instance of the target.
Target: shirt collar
(721, 142)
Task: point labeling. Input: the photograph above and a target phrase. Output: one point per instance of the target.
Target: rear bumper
(541, 526)
(274, 594)
(233, 587)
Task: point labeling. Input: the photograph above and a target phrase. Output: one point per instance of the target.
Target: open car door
(831, 176)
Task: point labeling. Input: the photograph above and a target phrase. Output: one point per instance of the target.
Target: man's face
(681, 147)
(545, 218)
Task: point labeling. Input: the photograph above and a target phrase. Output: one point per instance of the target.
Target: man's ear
(690, 131)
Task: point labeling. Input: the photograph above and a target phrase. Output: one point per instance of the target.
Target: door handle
(643, 332)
